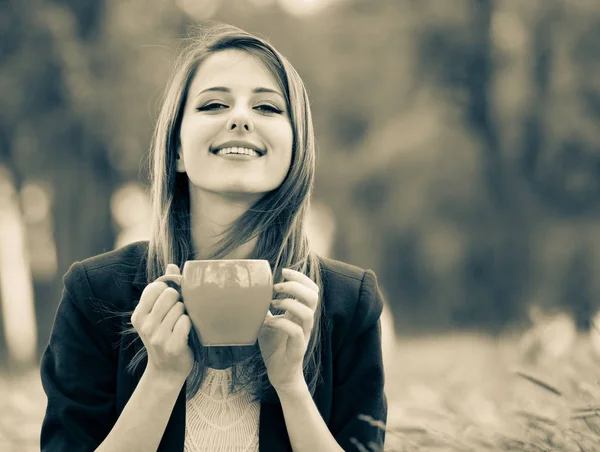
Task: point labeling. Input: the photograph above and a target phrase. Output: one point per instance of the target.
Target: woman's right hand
(163, 326)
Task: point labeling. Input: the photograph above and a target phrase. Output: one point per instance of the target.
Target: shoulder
(98, 292)
(127, 256)
(352, 299)
(111, 275)
(342, 283)
(337, 269)
(345, 280)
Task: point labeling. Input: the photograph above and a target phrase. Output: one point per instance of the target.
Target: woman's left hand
(283, 338)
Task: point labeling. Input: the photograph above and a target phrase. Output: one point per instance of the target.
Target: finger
(294, 331)
(182, 329)
(172, 269)
(304, 294)
(148, 298)
(293, 275)
(163, 305)
(171, 318)
(299, 311)
(286, 314)
(274, 317)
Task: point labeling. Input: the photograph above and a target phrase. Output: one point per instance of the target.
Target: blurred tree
(577, 298)
(458, 144)
(465, 57)
(51, 129)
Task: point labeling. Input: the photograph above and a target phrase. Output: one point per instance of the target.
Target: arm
(79, 372)
(302, 416)
(142, 423)
(358, 375)
(357, 387)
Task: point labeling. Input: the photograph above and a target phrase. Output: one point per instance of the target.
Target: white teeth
(236, 150)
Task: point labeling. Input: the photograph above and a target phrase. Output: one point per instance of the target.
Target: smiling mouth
(241, 151)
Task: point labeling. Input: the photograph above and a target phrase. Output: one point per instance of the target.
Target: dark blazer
(83, 366)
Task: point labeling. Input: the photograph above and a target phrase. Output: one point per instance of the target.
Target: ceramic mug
(226, 299)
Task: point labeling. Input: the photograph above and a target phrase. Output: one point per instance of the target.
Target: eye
(212, 107)
(268, 108)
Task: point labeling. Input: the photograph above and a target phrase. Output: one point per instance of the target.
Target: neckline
(214, 370)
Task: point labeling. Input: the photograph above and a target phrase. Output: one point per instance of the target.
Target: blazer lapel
(272, 433)
(140, 280)
(174, 437)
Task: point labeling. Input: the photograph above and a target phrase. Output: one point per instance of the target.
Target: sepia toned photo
(300, 225)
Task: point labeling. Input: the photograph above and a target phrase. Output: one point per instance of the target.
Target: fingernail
(278, 286)
(286, 271)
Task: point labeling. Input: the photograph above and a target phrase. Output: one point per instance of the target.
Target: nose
(240, 121)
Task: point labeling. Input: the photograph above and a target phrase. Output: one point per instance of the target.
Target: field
(470, 392)
(461, 392)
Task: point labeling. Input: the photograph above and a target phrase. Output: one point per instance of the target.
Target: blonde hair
(277, 220)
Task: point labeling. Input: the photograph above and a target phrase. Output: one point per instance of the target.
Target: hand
(163, 326)
(283, 339)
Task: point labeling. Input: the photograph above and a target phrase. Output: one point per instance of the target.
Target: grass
(456, 392)
(469, 392)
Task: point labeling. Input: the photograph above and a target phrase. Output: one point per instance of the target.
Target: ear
(180, 163)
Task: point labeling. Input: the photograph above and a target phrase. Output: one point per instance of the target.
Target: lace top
(217, 420)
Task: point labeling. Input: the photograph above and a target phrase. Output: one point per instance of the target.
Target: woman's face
(236, 135)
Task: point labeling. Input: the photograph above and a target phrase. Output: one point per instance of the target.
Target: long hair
(277, 220)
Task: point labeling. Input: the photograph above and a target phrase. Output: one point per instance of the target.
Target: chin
(236, 188)
(241, 192)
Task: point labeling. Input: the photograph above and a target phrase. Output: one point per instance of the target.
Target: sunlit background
(459, 158)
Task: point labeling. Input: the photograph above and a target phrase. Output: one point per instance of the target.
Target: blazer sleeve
(77, 374)
(358, 382)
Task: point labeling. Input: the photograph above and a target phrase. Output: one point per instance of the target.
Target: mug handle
(173, 281)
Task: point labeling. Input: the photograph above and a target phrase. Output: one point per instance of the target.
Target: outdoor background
(458, 157)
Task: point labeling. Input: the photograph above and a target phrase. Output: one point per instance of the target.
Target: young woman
(233, 163)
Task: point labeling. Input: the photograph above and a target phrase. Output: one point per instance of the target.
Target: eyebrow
(224, 89)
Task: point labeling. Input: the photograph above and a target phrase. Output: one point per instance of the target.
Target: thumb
(172, 269)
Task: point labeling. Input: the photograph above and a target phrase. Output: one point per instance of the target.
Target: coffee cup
(226, 299)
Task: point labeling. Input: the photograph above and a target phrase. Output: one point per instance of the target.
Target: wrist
(165, 380)
(295, 389)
